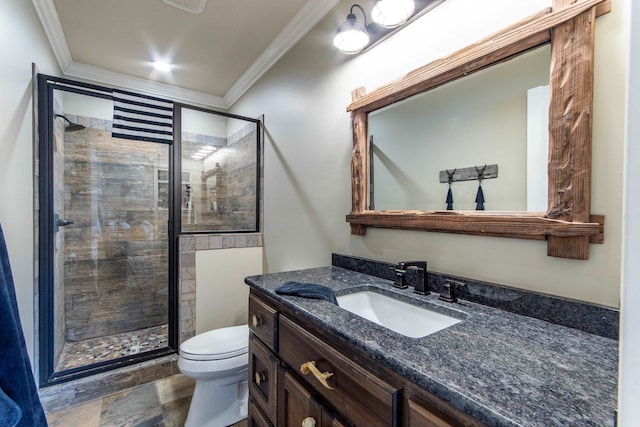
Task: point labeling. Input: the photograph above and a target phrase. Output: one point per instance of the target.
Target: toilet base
(219, 402)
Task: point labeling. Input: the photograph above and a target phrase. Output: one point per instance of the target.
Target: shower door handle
(64, 222)
(59, 222)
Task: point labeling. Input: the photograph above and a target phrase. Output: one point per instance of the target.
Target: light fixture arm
(353, 15)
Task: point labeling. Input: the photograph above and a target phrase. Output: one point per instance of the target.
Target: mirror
(566, 224)
(481, 119)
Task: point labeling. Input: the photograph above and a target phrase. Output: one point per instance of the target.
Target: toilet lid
(217, 344)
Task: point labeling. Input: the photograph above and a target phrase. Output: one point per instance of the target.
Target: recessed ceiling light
(162, 66)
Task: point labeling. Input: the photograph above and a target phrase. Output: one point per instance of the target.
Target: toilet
(218, 361)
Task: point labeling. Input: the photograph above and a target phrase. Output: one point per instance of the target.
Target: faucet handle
(448, 294)
(419, 264)
(399, 280)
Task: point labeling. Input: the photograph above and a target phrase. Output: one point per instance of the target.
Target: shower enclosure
(106, 287)
(111, 208)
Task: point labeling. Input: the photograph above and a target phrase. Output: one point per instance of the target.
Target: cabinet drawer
(263, 377)
(263, 321)
(364, 398)
(423, 409)
(420, 416)
(255, 417)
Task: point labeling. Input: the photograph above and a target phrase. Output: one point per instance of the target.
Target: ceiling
(216, 55)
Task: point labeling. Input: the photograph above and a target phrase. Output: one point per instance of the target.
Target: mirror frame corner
(567, 225)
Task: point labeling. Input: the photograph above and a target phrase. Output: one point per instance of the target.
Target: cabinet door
(263, 377)
(255, 417)
(298, 408)
(357, 394)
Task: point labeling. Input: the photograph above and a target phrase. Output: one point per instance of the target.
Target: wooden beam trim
(517, 33)
(534, 227)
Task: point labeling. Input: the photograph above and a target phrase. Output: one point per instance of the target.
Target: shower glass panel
(219, 166)
(110, 238)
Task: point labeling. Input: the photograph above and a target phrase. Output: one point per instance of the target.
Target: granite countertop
(499, 367)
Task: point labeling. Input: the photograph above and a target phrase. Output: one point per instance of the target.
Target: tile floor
(162, 403)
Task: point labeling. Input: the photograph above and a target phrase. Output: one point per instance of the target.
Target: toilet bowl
(218, 361)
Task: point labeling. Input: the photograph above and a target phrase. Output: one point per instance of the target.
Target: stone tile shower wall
(241, 185)
(116, 262)
(58, 269)
(222, 187)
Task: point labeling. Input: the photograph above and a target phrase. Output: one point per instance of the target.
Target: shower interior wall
(233, 188)
(116, 259)
(111, 264)
(58, 270)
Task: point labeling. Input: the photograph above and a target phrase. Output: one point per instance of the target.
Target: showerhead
(71, 127)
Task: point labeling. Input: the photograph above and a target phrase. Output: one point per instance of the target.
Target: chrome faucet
(411, 273)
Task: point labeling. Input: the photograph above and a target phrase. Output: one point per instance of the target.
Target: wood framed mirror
(567, 225)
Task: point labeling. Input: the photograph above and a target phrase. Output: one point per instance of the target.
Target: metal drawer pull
(307, 367)
(309, 422)
(260, 377)
(256, 320)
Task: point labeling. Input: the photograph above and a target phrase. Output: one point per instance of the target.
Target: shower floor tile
(101, 349)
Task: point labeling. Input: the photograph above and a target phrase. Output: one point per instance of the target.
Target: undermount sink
(406, 319)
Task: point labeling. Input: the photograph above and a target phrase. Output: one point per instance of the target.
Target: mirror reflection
(495, 117)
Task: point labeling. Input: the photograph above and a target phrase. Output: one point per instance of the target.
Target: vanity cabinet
(299, 407)
(300, 376)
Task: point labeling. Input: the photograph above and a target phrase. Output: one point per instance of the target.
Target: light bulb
(392, 13)
(351, 36)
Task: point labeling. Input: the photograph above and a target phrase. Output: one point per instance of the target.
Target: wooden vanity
(346, 389)
(313, 363)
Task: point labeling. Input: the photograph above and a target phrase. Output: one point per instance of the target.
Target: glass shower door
(110, 238)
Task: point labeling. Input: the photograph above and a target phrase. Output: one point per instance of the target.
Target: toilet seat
(217, 344)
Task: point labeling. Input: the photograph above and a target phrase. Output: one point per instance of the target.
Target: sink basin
(406, 319)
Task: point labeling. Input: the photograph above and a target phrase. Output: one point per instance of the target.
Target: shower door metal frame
(47, 375)
(177, 165)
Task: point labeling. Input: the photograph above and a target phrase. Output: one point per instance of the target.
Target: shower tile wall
(58, 268)
(229, 203)
(241, 190)
(116, 260)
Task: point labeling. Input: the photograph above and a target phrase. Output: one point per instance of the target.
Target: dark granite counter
(499, 367)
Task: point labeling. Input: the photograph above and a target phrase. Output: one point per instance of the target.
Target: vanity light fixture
(392, 13)
(351, 36)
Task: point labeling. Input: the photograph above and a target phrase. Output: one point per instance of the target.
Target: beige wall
(221, 295)
(23, 42)
(308, 148)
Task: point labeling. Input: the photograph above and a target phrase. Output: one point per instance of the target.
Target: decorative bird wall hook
(450, 193)
(480, 194)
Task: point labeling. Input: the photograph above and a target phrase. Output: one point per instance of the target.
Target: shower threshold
(96, 350)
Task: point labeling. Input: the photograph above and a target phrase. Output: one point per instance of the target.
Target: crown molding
(310, 14)
(48, 15)
(151, 87)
